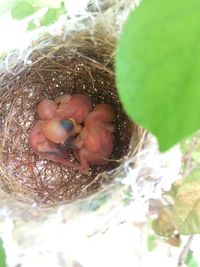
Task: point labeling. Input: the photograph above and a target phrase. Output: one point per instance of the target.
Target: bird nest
(82, 62)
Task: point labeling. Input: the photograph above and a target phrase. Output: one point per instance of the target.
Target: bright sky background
(12, 32)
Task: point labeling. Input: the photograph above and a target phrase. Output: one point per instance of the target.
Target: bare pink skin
(75, 106)
(47, 149)
(95, 142)
(56, 133)
(47, 109)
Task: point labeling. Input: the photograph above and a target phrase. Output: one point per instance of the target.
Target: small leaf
(23, 9)
(52, 15)
(163, 226)
(158, 66)
(187, 205)
(190, 261)
(151, 242)
(31, 26)
(173, 190)
(2, 255)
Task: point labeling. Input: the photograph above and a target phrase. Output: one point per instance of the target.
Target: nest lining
(52, 71)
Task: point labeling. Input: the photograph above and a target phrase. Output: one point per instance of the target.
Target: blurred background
(18, 18)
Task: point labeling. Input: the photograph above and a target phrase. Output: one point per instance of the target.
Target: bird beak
(78, 128)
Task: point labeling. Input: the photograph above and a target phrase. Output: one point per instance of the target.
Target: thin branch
(185, 251)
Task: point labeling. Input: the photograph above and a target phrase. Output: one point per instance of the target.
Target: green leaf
(2, 255)
(23, 9)
(163, 226)
(190, 261)
(173, 190)
(151, 242)
(158, 66)
(187, 205)
(52, 15)
(31, 26)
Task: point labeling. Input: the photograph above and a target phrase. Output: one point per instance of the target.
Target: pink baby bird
(52, 150)
(94, 144)
(75, 106)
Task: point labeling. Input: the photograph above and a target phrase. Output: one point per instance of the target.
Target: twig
(184, 251)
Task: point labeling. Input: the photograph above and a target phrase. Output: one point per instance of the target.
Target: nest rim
(104, 51)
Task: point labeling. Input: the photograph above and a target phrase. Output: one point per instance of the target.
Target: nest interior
(50, 73)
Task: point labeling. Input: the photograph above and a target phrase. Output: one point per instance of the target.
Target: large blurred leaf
(187, 205)
(158, 66)
(23, 9)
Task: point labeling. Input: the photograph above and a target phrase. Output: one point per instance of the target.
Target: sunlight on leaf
(163, 225)
(158, 66)
(31, 26)
(174, 188)
(23, 9)
(52, 15)
(151, 242)
(187, 205)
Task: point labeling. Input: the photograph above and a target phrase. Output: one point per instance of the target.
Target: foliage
(164, 224)
(191, 148)
(174, 188)
(157, 67)
(21, 9)
(2, 255)
(183, 214)
(160, 91)
(190, 260)
(52, 15)
(151, 242)
(187, 205)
